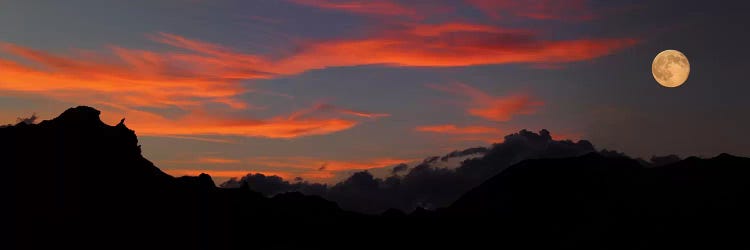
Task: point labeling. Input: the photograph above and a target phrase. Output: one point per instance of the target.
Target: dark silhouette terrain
(599, 202)
(74, 181)
(433, 183)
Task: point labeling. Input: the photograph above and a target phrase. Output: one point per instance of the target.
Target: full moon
(670, 68)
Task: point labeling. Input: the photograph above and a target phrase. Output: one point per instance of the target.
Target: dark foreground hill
(76, 182)
(603, 202)
(435, 182)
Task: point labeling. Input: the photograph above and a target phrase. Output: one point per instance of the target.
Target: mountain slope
(74, 180)
(614, 202)
(433, 183)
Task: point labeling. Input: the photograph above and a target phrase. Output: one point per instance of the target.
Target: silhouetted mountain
(615, 202)
(430, 184)
(76, 182)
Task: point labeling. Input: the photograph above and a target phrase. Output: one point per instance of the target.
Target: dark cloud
(21, 120)
(399, 168)
(612, 153)
(272, 185)
(664, 160)
(432, 159)
(426, 185)
(465, 152)
(28, 120)
(323, 167)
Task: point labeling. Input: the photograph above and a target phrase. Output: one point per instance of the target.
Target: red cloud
(309, 163)
(502, 109)
(432, 45)
(466, 133)
(447, 45)
(130, 78)
(492, 108)
(324, 107)
(382, 7)
(221, 173)
(455, 130)
(202, 123)
(197, 73)
(308, 168)
(209, 72)
(574, 10)
(217, 160)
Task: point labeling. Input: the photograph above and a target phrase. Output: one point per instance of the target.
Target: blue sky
(287, 87)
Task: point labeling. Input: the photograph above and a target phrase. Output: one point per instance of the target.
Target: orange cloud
(575, 10)
(325, 107)
(363, 114)
(427, 30)
(502, 109)
(455, 130)
(217, 174)
(309, 168)
(492, 108)
(198, 122)
(466, 133)
(150, 79)
(448, 45)
(567, 136)
(217, 160)
(481, 133)
(195, 74)
(195, 138)
(382, 7)
(447, 50)
(330, 165)
(206, 72)
(205, 160)
(135, 78)
(221, 173)
(432, 45)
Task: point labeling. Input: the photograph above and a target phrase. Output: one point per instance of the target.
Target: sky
(321, 89)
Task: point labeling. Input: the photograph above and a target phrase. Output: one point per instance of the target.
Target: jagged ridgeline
(74, 181)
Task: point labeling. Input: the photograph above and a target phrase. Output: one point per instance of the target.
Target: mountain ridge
(75, 181)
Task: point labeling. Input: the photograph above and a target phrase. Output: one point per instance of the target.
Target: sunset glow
(358, 82)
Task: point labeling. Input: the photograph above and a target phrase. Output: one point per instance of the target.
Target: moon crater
(670, 68)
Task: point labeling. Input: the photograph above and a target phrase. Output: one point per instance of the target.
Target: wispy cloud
(310, 163)
(309, 168)
(558, 10)
(456, 130)
(568, 10)
(328, 108)
(193, 74)
(208, 72)
(382, 7)
(219, 173)
(217, 160)
(195, 138)
(475, 133)
(127, 77)
(127, 80)
(199, 122)
(447, 45)
(489, 107)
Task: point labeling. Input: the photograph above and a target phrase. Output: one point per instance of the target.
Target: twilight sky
(321, 88)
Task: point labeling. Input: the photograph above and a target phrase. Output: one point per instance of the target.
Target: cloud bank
(427, 184)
